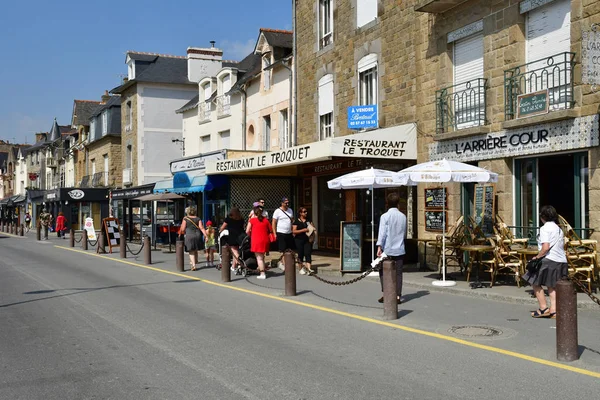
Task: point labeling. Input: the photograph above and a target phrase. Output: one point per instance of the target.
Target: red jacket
(60, 223)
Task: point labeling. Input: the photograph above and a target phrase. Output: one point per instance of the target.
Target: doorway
(560, 181)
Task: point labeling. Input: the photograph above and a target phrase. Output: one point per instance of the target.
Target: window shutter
(326, 94)
(366, 11)
(549, 30)
(226, 84)
(468, 59)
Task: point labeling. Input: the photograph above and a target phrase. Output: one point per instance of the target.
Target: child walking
(211, 244)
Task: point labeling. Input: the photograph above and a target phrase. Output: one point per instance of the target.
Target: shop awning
(187, 182)
(13, 200)
(393, 143)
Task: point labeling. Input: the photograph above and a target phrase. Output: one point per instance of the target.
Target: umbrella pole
(444, 282)
(372, 224)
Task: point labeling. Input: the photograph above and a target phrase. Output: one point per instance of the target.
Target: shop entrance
(560, 181)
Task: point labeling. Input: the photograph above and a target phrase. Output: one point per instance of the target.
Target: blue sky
(56, 51)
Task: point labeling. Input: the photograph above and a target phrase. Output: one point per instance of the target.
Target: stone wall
(111, 146)
(129, 133)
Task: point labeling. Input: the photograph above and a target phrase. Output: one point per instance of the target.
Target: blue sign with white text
(360, 117)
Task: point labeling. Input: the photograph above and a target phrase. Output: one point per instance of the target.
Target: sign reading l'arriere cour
(576, 133)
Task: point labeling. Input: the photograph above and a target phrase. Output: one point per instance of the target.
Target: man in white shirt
(282, 221)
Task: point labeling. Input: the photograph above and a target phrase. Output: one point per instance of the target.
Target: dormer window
(266, 61)
(225, 85)
(131, 69)
(104, 122)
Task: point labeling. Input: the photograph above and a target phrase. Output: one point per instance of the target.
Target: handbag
(534, 265)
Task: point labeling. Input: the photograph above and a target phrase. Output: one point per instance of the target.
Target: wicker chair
(582, 255)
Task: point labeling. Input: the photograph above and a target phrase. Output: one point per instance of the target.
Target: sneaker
(302, 271)
(262, 276)
(233, 269)
(281, 266)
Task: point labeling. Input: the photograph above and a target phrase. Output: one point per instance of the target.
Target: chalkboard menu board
(350, 252)
(435, 197)
(111, 231)
(434, 220)
(484, 203)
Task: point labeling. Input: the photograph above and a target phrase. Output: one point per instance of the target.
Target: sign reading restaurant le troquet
(577, 133)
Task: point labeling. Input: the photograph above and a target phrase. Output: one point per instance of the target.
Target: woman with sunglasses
(303, 231)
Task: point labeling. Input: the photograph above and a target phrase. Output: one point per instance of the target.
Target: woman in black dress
(193, 229)
(301, 229)
(234, 224)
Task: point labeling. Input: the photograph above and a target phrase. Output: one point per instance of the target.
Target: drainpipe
(291, 71)
(244, 100)
(295, 76)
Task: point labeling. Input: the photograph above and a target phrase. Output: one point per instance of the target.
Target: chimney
(203, 62)
(105, 97)
(40, 137)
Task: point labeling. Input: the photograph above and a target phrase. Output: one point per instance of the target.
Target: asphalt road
(75, 326)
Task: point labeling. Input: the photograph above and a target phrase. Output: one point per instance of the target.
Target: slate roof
(193, 103)
(248, 68)
(55, 132)
(3, 159)
(279, 38)
(82, 110)
(114, 101)
(161, 69)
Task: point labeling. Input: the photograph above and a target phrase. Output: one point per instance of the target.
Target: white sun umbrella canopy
(439, 172)
(367, 179)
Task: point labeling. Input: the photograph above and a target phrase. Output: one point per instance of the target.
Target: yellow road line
(11, 235)
(358, 317)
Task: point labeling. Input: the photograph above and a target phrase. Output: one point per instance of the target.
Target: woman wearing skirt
(551, 247)
(192, 228)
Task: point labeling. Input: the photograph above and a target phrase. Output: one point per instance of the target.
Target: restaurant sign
(196, 162)
(577, 133)
(394, 143)
(590, 58)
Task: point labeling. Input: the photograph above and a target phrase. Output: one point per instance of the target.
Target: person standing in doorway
(283, 218)
(390, 240)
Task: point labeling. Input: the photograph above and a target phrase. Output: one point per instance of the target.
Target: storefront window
(330, 207)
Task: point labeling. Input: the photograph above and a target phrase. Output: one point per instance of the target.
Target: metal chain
(348, 282)
(80, 239)
(585, 290)
(94, 243)
(133, 253)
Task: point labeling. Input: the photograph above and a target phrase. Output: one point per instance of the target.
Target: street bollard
(21, 230)
(1, 226)
(147, 251)
(72, 237)
(101, 245)
(567, 346)
(45, 229)
(38, 233)
(123, 245)
(84, 240)
(179, 247)
(12, 228)
(290, 273)
(390, 295)
(225, 264)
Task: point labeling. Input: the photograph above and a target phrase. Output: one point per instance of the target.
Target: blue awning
(184, 182)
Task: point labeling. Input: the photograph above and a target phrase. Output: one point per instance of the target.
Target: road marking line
(11, 235)
(355, 316)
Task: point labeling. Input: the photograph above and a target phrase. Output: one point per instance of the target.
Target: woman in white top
(551, 247)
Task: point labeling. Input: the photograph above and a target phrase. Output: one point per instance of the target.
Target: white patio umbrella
(444, 171)
(367, 179)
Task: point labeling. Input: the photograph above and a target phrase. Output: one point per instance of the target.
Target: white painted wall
(193, 131)
(158, 125)
(261, 103)
(21, 176)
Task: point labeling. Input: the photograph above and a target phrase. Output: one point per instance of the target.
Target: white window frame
(104, 122)
(326, 106)
(326, 126)
(284, 132)
(465, 111)
(204, 140)
(92, 129)
(128, 115)
(325, 23)
(267, 132)
(266, 61)
(368, 80)
(225, 144)
(106, 168)
(366, 11)
(128, 156)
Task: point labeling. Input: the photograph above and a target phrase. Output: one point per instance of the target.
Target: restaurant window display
(536, 185)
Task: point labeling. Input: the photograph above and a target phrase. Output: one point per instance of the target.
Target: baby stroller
(220, 243)
(247, 261)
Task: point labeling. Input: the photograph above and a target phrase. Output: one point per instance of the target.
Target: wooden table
(524, 253)
(475, 251)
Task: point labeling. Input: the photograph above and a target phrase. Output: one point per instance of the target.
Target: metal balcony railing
(461, 106)
(554, 73)
(204, 111)
(85, 181)
(100, 179)
(223, 108)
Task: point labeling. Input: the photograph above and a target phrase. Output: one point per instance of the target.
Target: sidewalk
(327, 266)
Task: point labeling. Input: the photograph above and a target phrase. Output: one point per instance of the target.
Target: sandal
(552, 315)
(539, 313)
